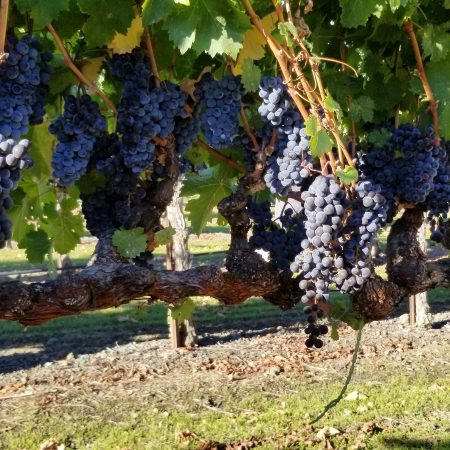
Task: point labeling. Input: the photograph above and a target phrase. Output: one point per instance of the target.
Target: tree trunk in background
(419, 309)
(179, 258)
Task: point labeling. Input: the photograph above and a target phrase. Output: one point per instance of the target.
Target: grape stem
(70, 64)
(219, 155)
(151, 54)
(334, 402)
(280, 57)
(312, 97)
(3, 25)
(248, 130)
(408, 26)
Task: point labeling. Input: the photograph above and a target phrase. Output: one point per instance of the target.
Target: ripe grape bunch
(438, 201)
(13, 159)
(145, 111)
(24, 78)
(118, 202)
(326, 205)
(220, 102)
(291, 162)
(275, 99)
(405, 167)
(186, 131)
(77, 130)
(281, 239)
(289, 166)
(367, 217)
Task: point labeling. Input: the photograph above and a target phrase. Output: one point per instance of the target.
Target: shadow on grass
(23, 348)
(416, 444)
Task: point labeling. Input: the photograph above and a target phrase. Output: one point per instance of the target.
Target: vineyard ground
(110, 380)
(119, 385)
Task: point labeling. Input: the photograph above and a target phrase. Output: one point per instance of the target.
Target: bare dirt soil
(85, 369)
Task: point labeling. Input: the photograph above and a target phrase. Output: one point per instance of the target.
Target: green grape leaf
(355, 13)
(107, 17)
(184, 311)
(209, 188)
(447, 4)
(89, 182)
(288, 31)
(362, 109)
(208, 26)
(130, 243)
(353, 320)
(36, 244)
(436, 41)
(20, 214)
(70, 20)
(320, 144)
(332, 105)
(437, 74)
(395, 4)
(197, 155)
(164, 236)
(347, 175)
(155, 10)
(41, 153)
(444, 121)
(378, 137)
(43, 12)
(62, 78)
(334, 331)
(183, 2)
(311, 125)
(38, 193)
(64, 225)
(251, 75)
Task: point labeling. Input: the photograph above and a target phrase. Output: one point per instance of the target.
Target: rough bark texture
(109, 281)
(180, 259)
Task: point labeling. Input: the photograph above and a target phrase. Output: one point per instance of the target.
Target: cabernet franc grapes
(220, 101)
(13, 159)
(77, 130)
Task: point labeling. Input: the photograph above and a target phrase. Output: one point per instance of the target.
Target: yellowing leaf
(91, 67)
(124, 43)
(254, 42)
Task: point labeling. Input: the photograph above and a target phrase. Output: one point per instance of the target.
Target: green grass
(412, 412)
(15, 258)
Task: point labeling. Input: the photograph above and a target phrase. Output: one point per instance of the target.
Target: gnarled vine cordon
(110, 281)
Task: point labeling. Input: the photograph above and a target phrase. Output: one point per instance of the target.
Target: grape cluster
(367, 217)
(23, 85)
(77, 130)
(119, 202)
(220, 102)
(291, 162)
(145, 110)
(281, 239)
(326, 206)
(275, 99)
(405, 167)
(314, 330)
(13, 159)
(186, 132)
(132, 69)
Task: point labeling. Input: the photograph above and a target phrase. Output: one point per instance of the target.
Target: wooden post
(178, 258)
(419, 309)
